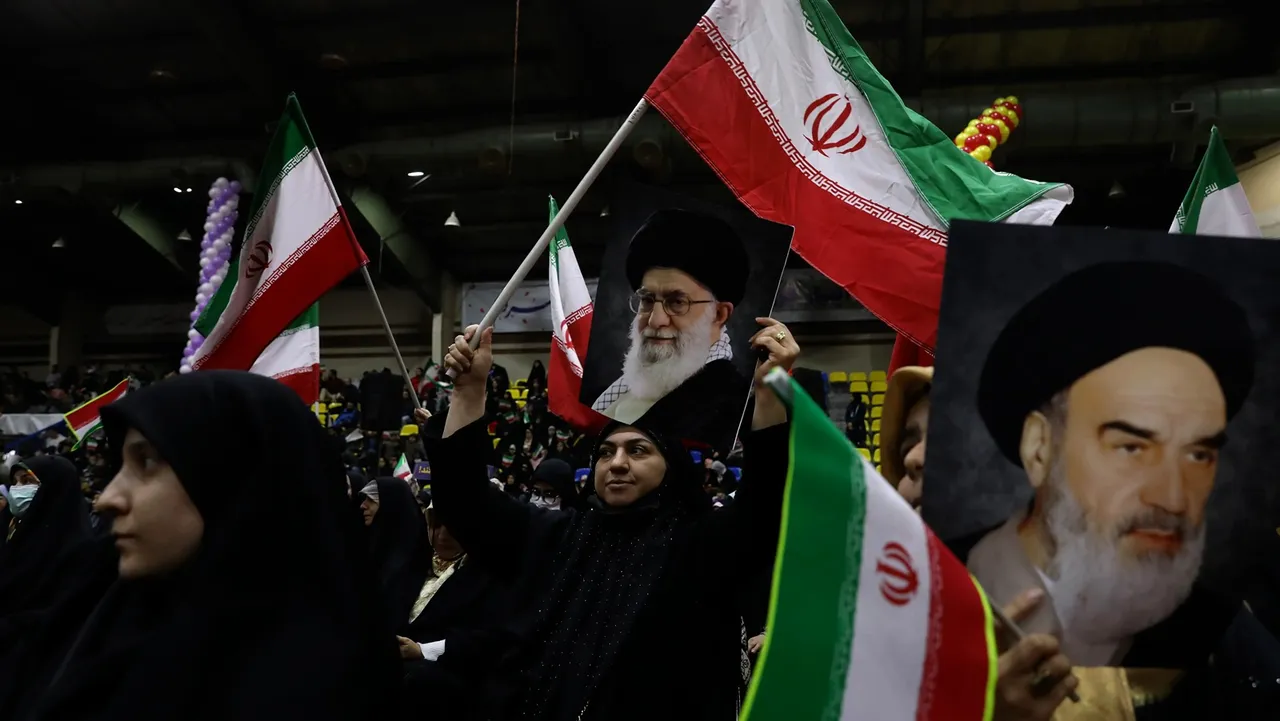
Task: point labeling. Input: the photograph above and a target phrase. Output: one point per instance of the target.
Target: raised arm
(487, 522)
(747, 531)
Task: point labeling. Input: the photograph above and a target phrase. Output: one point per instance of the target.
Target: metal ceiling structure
(113, 106)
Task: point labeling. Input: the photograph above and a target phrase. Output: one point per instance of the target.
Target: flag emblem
(259, 259)
(821, 138)
(898, 579)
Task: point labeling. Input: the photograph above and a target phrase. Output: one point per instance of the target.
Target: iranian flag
(298, 244)
(402, 469)
(571, 311)
(293, 358)
(782, 102)
(871, 617)
(84, 420)
(1215, 203)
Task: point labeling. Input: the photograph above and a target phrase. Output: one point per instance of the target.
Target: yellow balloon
(1000, 100)
(960, 140)
(971, 130)
(972, 124)
(982, 153)
(1004, 128)
(1012, 99)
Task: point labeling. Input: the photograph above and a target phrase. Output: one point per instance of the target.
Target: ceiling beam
(236, 42)
(912, 60)
(1145, 14)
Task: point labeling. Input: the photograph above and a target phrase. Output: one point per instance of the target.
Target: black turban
(701, 245)
(1096, 315)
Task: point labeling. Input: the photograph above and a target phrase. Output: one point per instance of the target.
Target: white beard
(1102, 595)
(654, 370)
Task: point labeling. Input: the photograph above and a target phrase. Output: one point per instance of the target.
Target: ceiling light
(604, 212)
(59, 243)
(176, 189)
(17, 202)
(188, 190)
(332, 61)
(452, 221)
(185, 235)
(416, 173)
(1117, 190)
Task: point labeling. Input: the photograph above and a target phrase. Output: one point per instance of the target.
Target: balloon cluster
(990, 129)
(215, 255)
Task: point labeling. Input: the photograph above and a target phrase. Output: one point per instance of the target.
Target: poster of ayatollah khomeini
(1104, 429)
(682, 284)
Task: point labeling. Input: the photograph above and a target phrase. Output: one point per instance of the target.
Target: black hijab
(602, 577)
(55, 531)
(400, 548)
(273, 617)
(559, 475)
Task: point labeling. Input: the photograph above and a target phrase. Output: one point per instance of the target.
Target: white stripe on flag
(879, 690)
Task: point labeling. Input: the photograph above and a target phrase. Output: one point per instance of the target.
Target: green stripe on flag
(561, 241)
(1216, 172)
(949, 181)
(802, 669)
(291, 138)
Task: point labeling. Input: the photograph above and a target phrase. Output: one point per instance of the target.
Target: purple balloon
(195, 316)
(188, 352)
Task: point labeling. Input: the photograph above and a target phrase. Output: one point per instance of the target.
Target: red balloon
(1014, 108)
(988, 164)
(974, 142)
(990, 129)
(996, 114)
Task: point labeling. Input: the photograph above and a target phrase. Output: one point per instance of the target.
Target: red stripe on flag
(956, 666)
(314, 270)
(895, 273)
(88, 413)
(564, 386)
(304, 381)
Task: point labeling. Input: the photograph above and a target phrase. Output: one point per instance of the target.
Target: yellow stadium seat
(878, 469)
(876, 456)
(496, 441)
(520, 403)
(879, 386)
(865, 453)
(875, 426)
(858, 387)
(877, 376)
(520, 393)
(875, 440)
(324, 418)
(877, 411)
(520, 383)
(335, 407)
(838, 378)
(856, 376)
(877, 399)
(410, 429)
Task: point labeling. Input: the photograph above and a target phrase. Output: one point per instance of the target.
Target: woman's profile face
(156, 525)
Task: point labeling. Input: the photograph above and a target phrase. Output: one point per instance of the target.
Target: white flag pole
(558, 222)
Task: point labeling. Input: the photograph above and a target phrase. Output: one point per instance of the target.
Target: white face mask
(20, 498)
(551, 504)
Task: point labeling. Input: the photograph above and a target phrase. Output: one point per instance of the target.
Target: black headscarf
(273, 617)
(400, 548)
(602, 579)
(559, 475)
(55, 529)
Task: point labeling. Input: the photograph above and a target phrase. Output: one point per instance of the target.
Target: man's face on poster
(1123, 463)
(676, 322)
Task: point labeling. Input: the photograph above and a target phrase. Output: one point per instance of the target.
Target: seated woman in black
(637, 617)
(455, 634)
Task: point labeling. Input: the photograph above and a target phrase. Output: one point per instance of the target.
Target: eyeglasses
(547, 495)
(676, 304)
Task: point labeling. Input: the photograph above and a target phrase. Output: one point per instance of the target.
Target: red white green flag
(84, 420)
(871, 618)
(782, 102)
(293, 358)
(402, 469)
(298, 245)
(571, 311)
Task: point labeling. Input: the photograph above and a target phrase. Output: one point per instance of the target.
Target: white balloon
(184, 369)
(220, 243)
(208, 226)
(201, 298)
(213, 192)
(205, 261)
(221, 182)
(204, 288)
(192, 335)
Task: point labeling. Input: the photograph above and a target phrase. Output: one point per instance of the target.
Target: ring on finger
(780, 336)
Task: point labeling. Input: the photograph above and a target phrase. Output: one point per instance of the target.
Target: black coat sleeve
(746, 532)
(490, 525)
